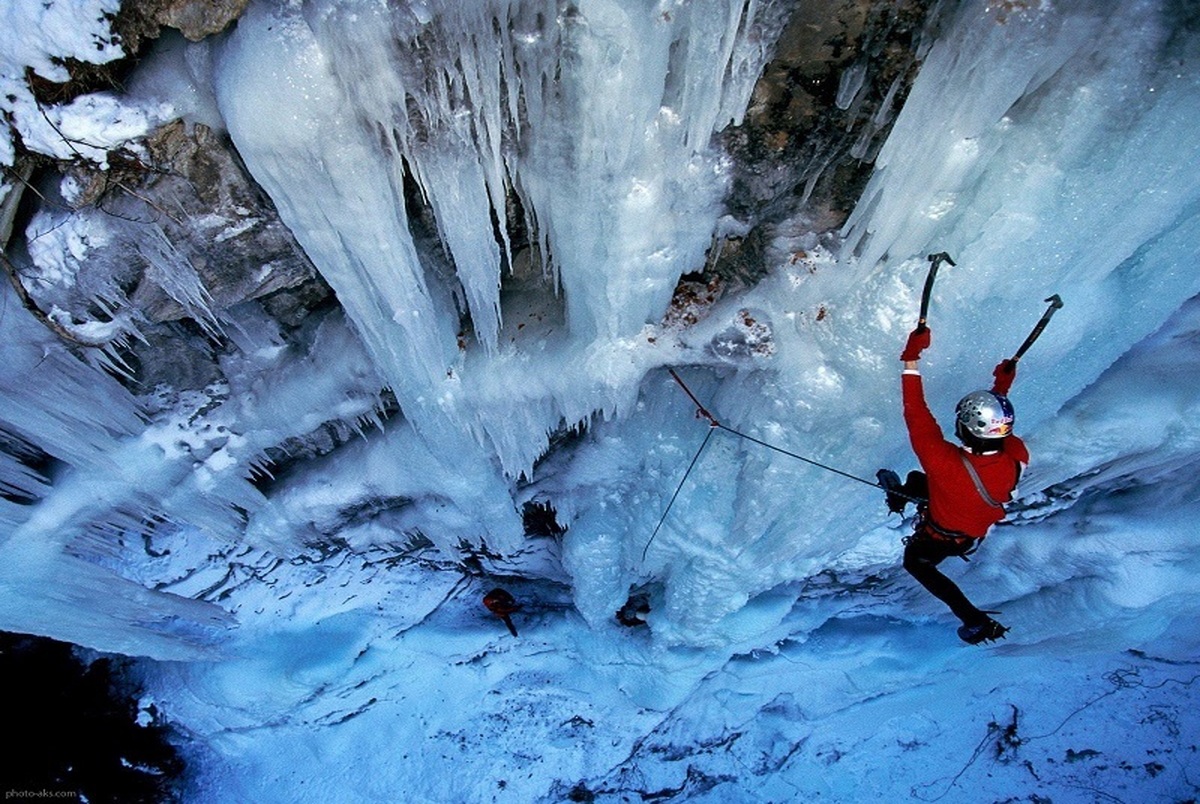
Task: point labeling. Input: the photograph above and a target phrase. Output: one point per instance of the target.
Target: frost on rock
(748, 337)
(52, 32)
(51, 72)
(86, 129)
(179, 233)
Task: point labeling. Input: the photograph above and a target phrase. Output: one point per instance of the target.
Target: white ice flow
(1048, 149)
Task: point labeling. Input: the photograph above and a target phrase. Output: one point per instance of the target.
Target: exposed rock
(291, 305)
(197, 19)
(172, 357)
(817, 117)
(82, 725)
(823, 107)
(216, 217)
(140, 20)
(183, 232)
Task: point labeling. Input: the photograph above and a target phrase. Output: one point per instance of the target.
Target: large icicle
(596, 115)
(620, 178)
(300, 135)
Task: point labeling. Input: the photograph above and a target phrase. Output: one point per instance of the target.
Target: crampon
(987, 631)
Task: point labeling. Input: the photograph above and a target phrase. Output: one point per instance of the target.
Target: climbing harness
(926, 528)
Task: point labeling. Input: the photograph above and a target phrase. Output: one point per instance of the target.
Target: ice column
(620, 178)
(596, 116)
(302, 138)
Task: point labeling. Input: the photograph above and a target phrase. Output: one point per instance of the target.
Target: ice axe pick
(1055, 303)
(935, 260)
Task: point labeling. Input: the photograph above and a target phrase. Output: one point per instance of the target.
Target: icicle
(171, 271)
(17, 479)
(598, 116)
(851, 84)
(978, 69)
(72, 411)
(349, 216)
(883, 115)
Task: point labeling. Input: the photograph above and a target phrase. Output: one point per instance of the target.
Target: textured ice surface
(1049, 149)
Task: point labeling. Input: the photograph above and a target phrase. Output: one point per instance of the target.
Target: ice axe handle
(935, 261)
(1055, 303)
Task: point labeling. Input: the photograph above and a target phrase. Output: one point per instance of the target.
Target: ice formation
(597, 116)
(1048, 147)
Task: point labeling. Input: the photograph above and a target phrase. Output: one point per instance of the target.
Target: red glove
(1005, 372)
(918, 341)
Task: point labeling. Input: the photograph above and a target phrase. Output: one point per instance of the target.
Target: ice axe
(935, 261)
(1055, 303)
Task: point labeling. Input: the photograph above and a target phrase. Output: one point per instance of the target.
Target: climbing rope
(809, 461)
(678, 489)
(714, 424)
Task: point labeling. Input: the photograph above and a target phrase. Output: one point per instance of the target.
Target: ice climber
(963, 488)
(501, 603)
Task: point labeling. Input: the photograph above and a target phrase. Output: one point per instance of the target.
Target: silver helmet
(985, 414)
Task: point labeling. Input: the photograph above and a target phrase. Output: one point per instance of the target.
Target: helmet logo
(985, 414)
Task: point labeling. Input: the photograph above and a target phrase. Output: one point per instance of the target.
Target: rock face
(216, 217)
(196, 19)
(140, 20)
(825, 103)
(163, 245)
(186, 233)
(819, 114)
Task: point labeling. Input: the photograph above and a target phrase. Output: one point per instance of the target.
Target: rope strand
(714, 425)
(678, 489)
(702, 412)
(798, 457)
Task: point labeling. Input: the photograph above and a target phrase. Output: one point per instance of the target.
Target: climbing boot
(988, 630)
(890, 481)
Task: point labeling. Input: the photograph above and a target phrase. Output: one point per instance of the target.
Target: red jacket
(954, 502)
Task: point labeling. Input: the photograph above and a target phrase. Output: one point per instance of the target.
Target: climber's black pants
(922, 554)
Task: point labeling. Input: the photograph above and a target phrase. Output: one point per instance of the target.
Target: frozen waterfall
(525, 210)
(504, 196)
(597, 116)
